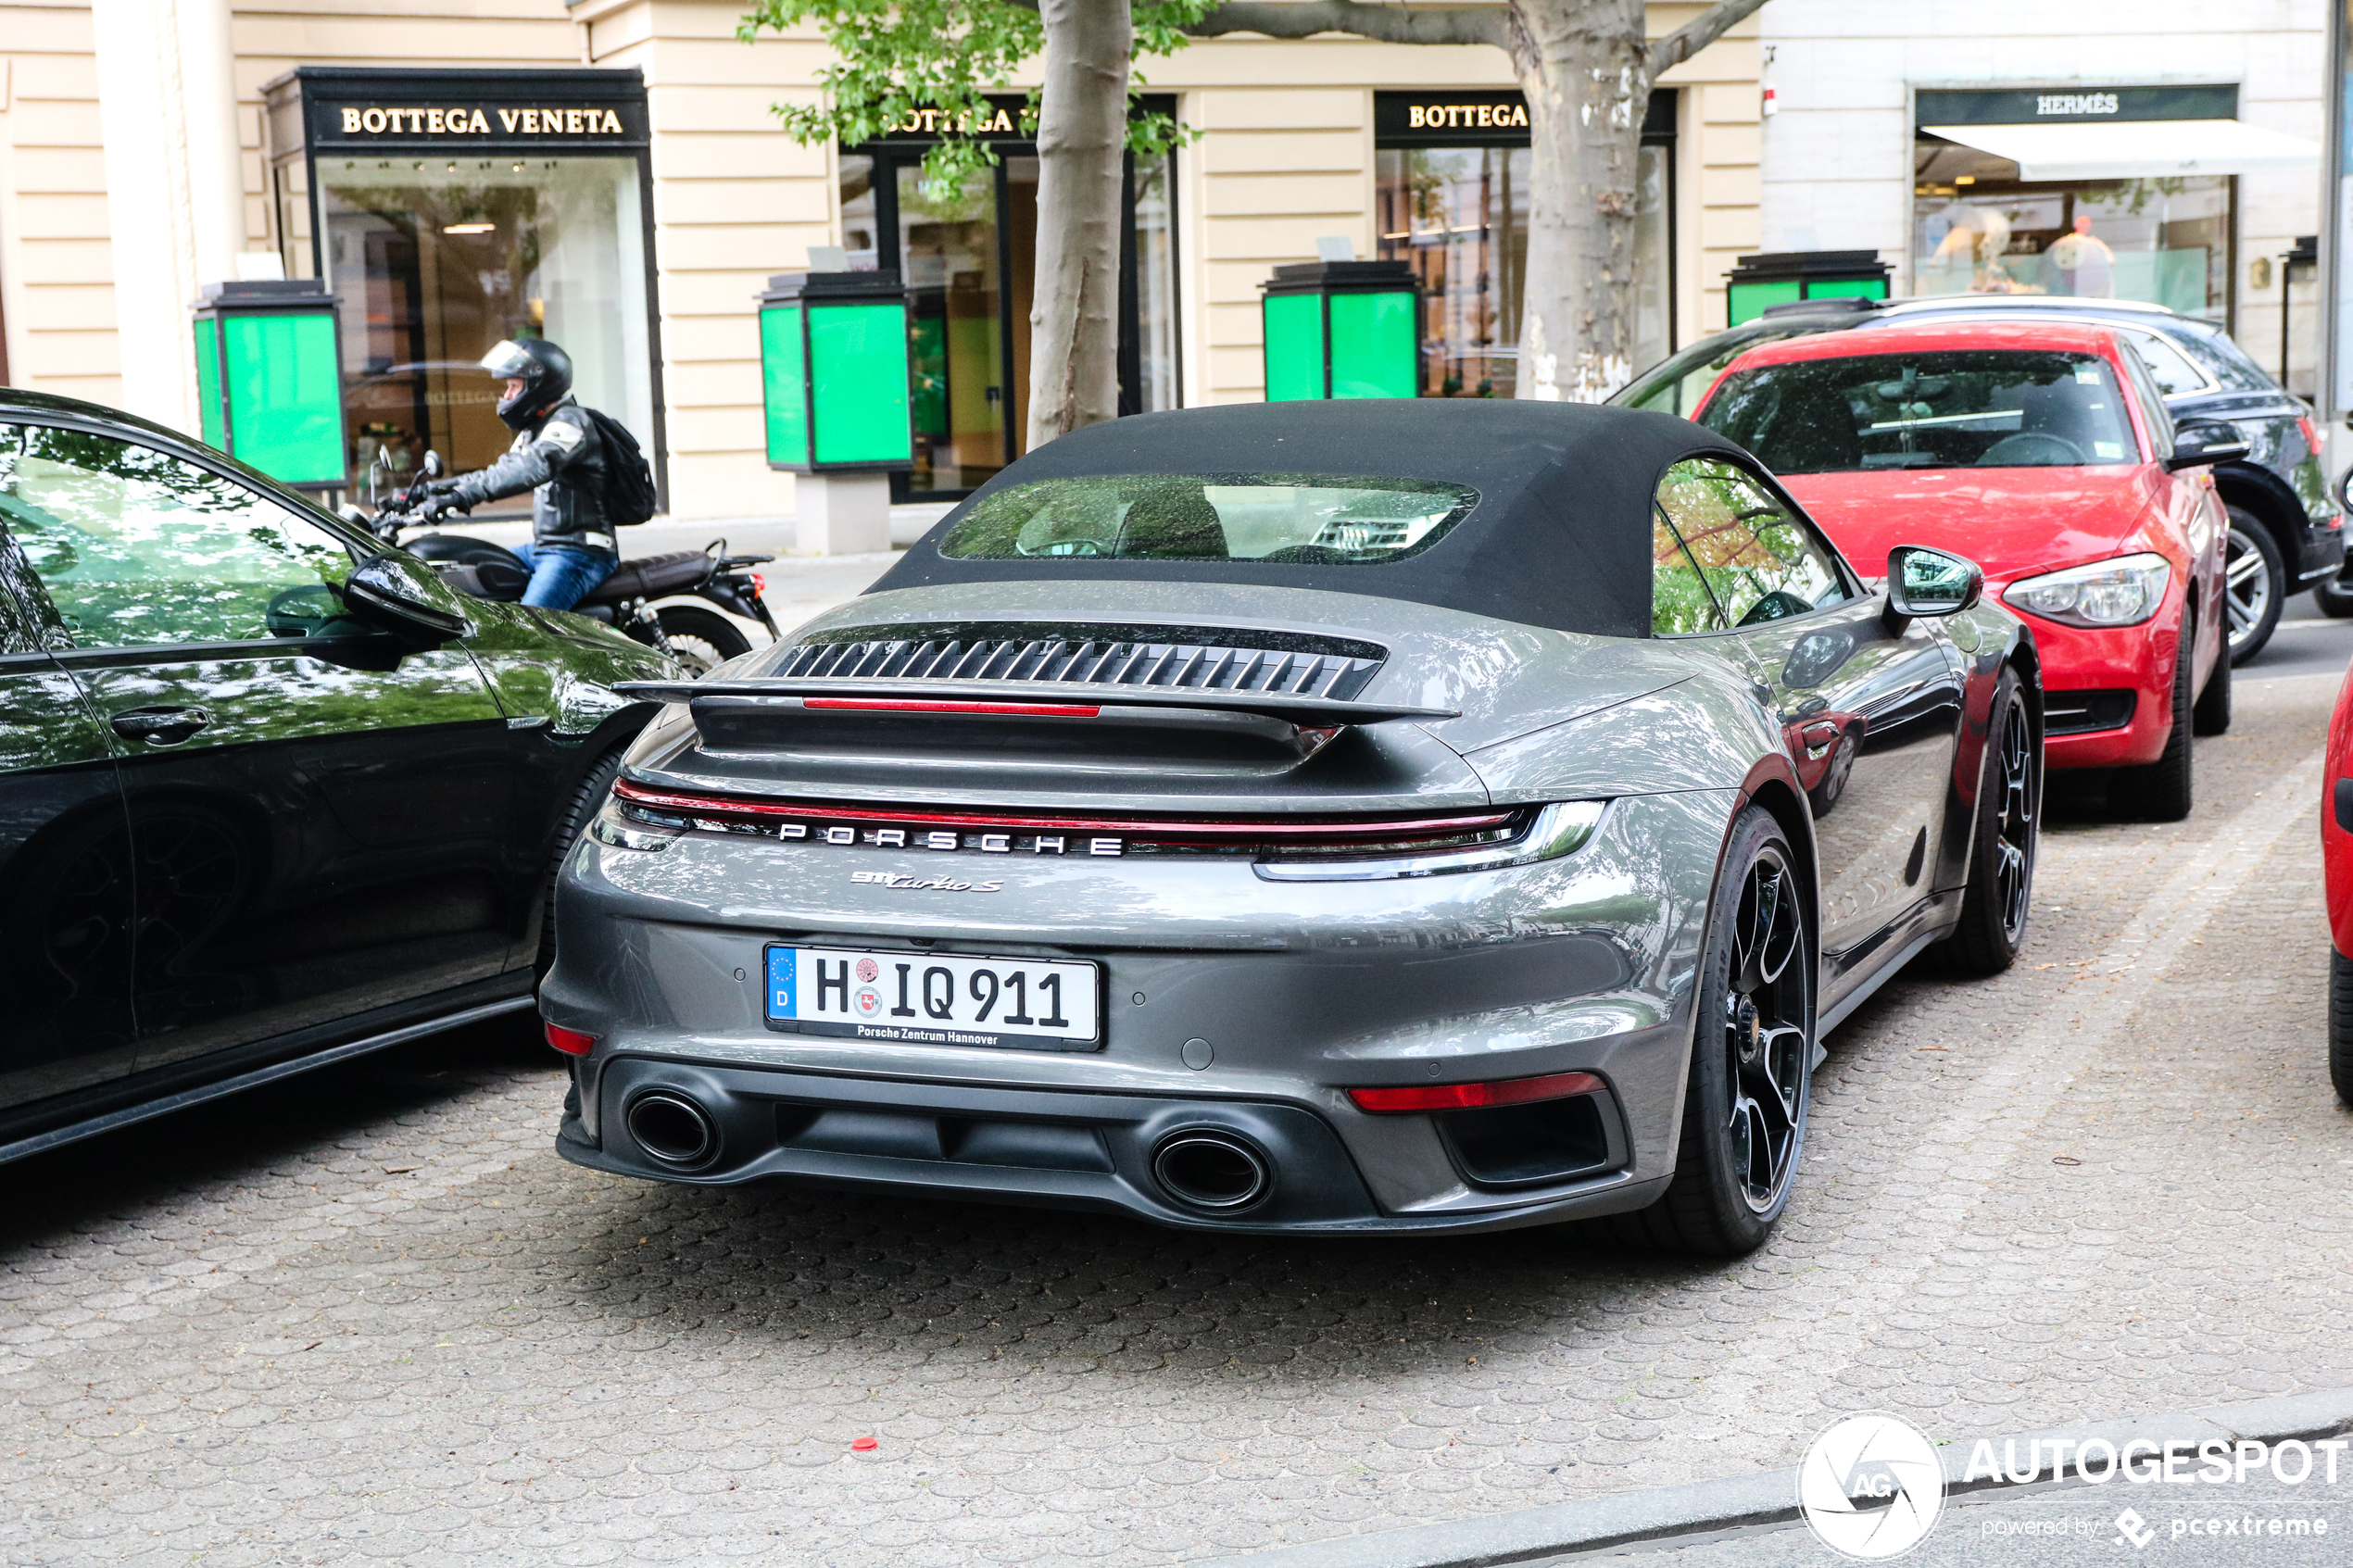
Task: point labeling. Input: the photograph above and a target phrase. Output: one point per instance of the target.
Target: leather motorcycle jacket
(561, 461)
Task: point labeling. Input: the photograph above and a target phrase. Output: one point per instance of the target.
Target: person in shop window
(2082, 264)
(1981, 237)
(559, 456)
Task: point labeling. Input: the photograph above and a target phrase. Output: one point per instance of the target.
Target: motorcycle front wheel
(702, 639)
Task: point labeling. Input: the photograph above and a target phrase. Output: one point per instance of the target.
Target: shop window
(1978, 228)
(437, 259)
(969, 261)
(1452, 184)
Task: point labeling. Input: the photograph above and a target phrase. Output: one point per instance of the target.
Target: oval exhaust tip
(1215, 1172)
(673, 1128)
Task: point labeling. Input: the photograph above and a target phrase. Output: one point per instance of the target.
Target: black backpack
(629, 479)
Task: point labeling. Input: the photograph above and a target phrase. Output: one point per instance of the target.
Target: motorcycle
(695, 637)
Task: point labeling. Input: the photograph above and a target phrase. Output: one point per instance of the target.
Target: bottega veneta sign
(406, 120)
(1466, 117)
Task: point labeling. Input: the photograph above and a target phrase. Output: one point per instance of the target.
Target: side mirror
(394, 594)
(1923, 583)
(2198, 444)
(431, 468)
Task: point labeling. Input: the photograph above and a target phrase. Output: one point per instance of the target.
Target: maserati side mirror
(2198, 444)
(1923, 583)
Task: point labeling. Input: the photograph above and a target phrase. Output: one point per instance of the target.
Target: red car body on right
(2336, 860)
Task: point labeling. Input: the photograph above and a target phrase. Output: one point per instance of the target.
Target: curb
(1766, 1498)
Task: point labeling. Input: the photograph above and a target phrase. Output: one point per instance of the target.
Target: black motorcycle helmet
(543, 369)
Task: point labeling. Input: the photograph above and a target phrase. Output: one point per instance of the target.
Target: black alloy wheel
(1752, 1057)
(2254, 585)
(701, 639)
(2000, 891)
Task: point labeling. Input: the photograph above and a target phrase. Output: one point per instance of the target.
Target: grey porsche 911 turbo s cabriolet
(1307, 817)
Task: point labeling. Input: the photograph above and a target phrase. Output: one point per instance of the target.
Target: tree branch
(1388, 24)
(1668, 53)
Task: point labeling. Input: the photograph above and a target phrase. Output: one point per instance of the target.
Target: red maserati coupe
(2043, 453)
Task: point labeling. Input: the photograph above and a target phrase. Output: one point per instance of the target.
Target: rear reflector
(572, 1042)
(894, 705)
(1472, 1096)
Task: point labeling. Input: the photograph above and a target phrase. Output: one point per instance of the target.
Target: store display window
(450, 210)
(1986, 223)
(969, 261)
(1453, 192)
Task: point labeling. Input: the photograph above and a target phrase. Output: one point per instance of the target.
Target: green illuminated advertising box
(833, 364)
(269, 385)
(1342, 329)
(1756, 283)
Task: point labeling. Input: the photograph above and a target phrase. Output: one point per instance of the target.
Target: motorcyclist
(561, 458)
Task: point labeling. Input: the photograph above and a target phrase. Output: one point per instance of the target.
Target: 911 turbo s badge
(942, 883)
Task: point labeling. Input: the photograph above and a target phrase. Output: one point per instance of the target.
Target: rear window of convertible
(1274, 519)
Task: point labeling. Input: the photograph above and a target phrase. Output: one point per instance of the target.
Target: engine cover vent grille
(1088, 662)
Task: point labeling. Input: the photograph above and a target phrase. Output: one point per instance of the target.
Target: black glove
(439, 495)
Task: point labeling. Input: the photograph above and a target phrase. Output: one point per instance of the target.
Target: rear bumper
(1046, 1149)
(1253, 1006)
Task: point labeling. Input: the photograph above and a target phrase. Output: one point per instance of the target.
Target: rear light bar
(896, 705)
(1473, 1097)
(1291, 830)
(572, 1042)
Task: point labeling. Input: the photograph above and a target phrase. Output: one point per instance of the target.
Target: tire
(2162, 791)
(586, 801)
(2254, 585)
(2340, 1025)
(2210, 715)
(701, 639)
(2334, 598)
(2000, 891)
(1752, 1056)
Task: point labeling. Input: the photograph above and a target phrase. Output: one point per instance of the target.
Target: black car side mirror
(394, 594)
(1923, 583)
(2198, 444)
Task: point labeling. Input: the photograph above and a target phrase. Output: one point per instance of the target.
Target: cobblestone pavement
(371, 1315)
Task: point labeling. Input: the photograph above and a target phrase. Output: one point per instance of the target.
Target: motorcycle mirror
(431, 469)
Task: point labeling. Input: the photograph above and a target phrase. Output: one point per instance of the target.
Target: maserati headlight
(2123, 592)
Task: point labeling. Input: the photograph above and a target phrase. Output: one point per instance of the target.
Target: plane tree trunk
(1082, 138)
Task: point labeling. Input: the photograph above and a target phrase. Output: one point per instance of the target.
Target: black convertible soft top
(1561, 536)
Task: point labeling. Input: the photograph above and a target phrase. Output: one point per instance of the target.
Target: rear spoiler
(1021, 699)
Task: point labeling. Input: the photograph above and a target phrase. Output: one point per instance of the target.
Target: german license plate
(934, 1000)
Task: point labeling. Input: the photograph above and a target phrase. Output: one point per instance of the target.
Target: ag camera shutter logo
(1871, 1486)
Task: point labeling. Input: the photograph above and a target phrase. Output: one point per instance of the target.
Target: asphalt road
(370, 1315)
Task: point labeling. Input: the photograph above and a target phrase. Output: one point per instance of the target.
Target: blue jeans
(561, 575)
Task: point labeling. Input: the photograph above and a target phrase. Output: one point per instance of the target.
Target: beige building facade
(150, 146)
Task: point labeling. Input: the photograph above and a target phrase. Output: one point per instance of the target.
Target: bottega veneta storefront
(449, 210)
(1452, 171)
(969, 260)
